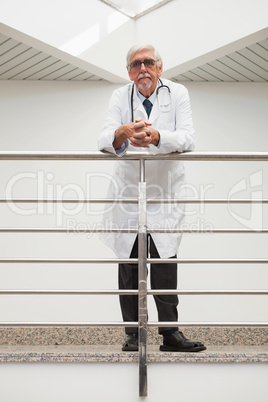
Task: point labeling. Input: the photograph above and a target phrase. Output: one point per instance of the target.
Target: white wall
(68, 116)
(119, 382)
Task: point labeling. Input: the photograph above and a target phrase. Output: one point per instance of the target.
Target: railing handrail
(132, 324)
(80, 292)
(135, 200)
(98, 155)
(133, 260)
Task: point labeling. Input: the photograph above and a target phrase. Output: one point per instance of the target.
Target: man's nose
(142, 68)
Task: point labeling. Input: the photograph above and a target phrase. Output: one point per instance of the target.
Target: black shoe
(178, 343)
(131, 343)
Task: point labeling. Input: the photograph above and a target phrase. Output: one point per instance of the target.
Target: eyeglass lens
(136, 64)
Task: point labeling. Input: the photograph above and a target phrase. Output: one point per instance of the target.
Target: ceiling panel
(249, 64)
(260, 50)
(3, 38)
(264, 44)
(62, 73)
(228, 71)
(8, 57)
(193, 75)
(7, 45)
(255, 58)
(216, 73)
(71, 74)
(18, 61)
(41, 70)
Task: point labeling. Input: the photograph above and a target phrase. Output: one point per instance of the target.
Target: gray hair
(137, 48)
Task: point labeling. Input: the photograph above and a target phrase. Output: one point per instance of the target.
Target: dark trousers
(163, 276)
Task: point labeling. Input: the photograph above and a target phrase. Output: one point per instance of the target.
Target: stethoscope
(162, 86)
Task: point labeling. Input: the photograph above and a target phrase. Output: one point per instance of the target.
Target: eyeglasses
(136, 64)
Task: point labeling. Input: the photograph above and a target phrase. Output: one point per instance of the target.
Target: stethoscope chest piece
(163, 98)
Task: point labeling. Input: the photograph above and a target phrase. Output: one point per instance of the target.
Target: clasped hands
(140, 134)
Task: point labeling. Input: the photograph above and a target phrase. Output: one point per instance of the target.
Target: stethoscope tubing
(132, 96)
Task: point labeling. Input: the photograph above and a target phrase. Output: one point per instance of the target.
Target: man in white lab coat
(162, 125)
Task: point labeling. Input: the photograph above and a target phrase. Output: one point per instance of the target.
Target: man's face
(145, 78)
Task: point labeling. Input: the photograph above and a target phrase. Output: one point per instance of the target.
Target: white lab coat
(165, 179)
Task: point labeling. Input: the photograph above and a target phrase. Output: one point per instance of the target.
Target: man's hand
(122, 134)
(139, 133)
(143, 134)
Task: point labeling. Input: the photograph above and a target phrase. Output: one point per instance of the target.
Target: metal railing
(142, 232)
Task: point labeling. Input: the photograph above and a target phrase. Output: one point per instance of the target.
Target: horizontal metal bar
(207, 324)
(96, 155)
(134, 292)
(207, 201)
(67, 324)
(66, 230)
(135, 201)
(207, 261)
(131, 324)
(132, 261)
(117, 230)
(69, 201)
(70, 260)
(208, 231)
(206, 292)
(68, 292)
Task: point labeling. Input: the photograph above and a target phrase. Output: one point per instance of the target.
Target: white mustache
(144, 75)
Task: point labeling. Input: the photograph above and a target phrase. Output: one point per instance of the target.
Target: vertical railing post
(142, 256)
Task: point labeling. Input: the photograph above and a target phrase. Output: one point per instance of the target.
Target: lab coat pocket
(166, 126)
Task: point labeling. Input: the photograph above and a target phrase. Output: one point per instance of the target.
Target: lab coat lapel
(139, 110)
(155, 112)
(138, 107)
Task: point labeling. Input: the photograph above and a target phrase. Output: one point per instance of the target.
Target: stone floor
(217, 336)
(113, 354)
(103, 345)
